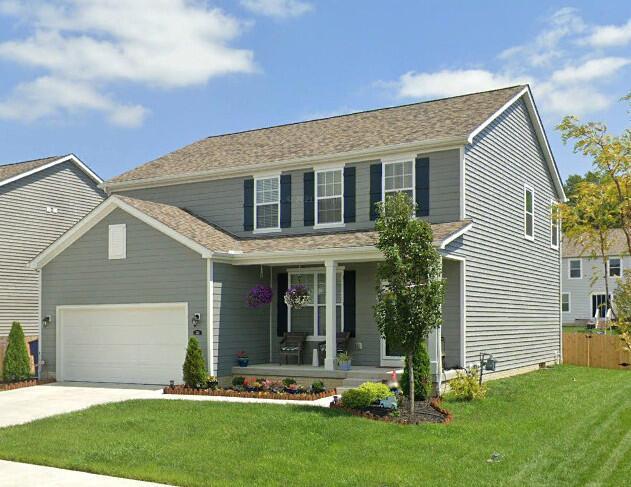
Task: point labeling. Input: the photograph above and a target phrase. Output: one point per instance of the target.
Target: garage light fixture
(196, 319)
(46, 321)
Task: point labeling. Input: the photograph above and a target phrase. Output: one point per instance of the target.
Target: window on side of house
(529, 212)
(600, 305)
(565, 302)
(267, 203)
(554, 226)
(615, 267)
(398, 177)
(329, 197)
(575, 269)
(117, 242)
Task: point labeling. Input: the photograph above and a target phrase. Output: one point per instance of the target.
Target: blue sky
(122, 82)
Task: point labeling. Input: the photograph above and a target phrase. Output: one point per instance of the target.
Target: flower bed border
(187, 391)
(435, 403)
(23, 383)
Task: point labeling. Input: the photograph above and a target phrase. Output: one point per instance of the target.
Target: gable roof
(18, 170)
(618, 246)
(209, 240)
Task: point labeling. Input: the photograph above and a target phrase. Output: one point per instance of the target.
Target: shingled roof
(10, 170)
(455, 117)
(618, 246)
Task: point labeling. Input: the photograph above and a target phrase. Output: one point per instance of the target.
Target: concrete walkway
(20, 474)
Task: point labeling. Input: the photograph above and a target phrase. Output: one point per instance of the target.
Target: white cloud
(575, 100)
(93, 44)
(280, 9)
(610, 35)
(590, 70)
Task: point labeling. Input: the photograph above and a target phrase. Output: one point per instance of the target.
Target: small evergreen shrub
(194, 368)
(238, 381)
(467, 387)
(317, 387)
(422, 376)
(17, 363)
(289, 381)
(365, 395)
(377, 390)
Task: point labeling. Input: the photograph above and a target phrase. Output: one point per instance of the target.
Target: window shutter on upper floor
(422, 186)
(349, 302)
(375, 189)
(282, 282)
(285, 201)
(349, 194)
(248, 205)
(309, 197)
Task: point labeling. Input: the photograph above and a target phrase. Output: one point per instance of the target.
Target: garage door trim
(59, 373)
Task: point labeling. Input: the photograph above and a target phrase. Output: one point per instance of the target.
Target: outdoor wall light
(195, 320)
(46, 321)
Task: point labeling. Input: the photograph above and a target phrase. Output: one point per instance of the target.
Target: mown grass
(566, 426)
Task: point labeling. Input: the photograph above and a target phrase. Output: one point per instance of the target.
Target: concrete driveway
(30, 403)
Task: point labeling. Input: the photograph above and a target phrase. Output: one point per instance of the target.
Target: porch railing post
(331, 335)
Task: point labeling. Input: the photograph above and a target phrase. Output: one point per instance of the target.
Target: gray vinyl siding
(591, 282)
(157, 270)
(221, 201)
(513, 284)
(451, 329)
(27, 229)
(236, 326)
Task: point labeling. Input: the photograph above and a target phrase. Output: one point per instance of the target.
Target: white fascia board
(95, 216)
(291, 164)
(455, 235)
(70, 157)
(539, 130)
(352, 254)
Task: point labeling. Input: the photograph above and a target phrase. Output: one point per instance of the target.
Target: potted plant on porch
(344, 361)
(242, 358)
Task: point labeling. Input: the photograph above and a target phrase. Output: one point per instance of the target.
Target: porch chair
(342, 340)
(292, 344)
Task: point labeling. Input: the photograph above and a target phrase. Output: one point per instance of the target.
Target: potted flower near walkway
(243, 359)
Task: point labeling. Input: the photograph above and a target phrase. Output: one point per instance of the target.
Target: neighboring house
(175, 249)
(583, 284)
(39, 201)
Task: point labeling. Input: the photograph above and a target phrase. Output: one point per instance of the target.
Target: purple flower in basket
(259, 295)
(297, 296)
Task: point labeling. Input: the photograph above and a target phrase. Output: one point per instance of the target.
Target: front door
(391, 354)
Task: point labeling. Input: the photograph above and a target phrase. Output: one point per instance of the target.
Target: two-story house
(174, 250)
(39, 200)
(583, 297)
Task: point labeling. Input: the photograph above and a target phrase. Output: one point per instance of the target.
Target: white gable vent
(117, 247)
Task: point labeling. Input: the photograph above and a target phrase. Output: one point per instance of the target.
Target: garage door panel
(128, 344)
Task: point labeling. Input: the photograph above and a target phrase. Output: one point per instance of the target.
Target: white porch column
(331, 331)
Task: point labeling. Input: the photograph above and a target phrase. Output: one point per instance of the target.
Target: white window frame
(554, 226)
(529, 188)
(398, 160)
(111, 253)
(591, 299)
(315, 304)
(318, 198)
(257, 204)
(569, 302)
(609, 266)
(569, 268)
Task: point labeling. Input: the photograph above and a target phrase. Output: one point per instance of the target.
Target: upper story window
(398, 176)
(565, 302)
(529, 212)
(554, 226)
(329, 197)
(615, 267)
(575, 269)
(267, 203)
(117, 242)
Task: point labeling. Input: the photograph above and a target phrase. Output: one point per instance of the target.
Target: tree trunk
(603, 255)
(411, 383)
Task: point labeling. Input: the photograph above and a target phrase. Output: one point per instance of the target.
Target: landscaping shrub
(422, 376)
(318, 386)
(289, 381)
(377, 390)
(194, 368)
(238, 381)
(365, 395)
(17, 363)
(466, 387)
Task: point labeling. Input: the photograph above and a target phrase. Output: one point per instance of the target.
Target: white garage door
(136, 344)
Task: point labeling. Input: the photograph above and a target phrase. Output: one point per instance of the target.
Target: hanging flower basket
(259, 295)
(297, 296)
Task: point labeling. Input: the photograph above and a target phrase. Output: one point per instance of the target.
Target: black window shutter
(282, 281)
(248, 204)
(349, 302)
(349, 194)
(375, 189)
(422, 186)
(285, 201)
(309, 186)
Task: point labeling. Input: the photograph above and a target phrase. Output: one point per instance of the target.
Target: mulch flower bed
(424, 412)
(306, 396)
(24, 383)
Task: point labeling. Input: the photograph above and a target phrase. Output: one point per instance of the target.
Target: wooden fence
(603, 351)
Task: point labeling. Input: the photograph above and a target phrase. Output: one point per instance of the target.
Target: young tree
(17, 363)
(194, 368)
(410, 288)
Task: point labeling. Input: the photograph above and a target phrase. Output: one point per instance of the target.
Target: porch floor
(293, 370)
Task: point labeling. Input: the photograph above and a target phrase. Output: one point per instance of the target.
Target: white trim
(569, 302)
(257, 204)
(59, 373)
(95, 216)
(389, 360)
(554, 209)
(609, 267)
(463, 186)
(599, 293)
(271, 316)
(450, 238)
(398, 160)
(569, 268)
(210, 316)
(38, 359)
(317, 198)
(70, 157)
(529, 188)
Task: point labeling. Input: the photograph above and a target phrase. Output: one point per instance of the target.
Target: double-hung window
(554, 226)
(267, 203)
(565, 302)
(398, 177)
(575, 269)
(529, 212)
(615, 267)
(329, 197)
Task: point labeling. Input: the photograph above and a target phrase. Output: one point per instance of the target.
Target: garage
(123, 343)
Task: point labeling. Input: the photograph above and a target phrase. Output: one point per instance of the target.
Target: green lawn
(561, 426)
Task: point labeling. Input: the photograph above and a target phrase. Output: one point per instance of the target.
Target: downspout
(210, 320)
(38, 359)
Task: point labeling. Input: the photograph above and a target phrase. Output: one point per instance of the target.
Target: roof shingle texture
(430, 120)
(618, 246)
(217, 240)
(11, 170)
